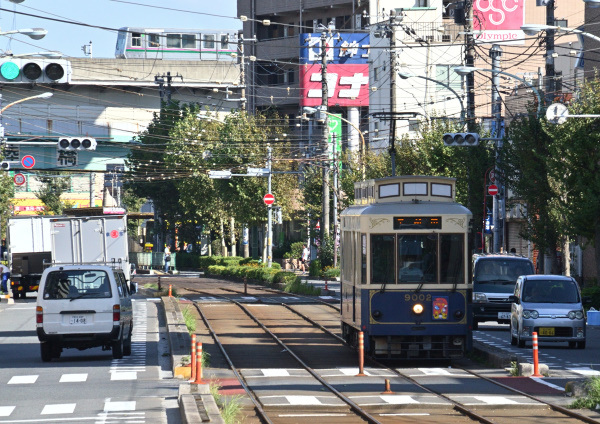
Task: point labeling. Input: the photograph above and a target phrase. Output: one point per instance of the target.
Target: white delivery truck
(92, 240)
(28, 245)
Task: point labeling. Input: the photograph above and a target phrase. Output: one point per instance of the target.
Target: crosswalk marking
(73, 378)
(5, 411)
(496, 400)
(398, 399)
(123, 375)
(23, 379)
(303, 400)
(61, 408)
(275, 373)
(110, 406)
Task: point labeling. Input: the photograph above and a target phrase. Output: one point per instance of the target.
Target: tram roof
(407, 208)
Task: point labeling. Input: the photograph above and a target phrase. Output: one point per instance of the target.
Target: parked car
(84, 306)
(551, 306)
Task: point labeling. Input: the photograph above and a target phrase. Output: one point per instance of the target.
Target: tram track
(457, 406)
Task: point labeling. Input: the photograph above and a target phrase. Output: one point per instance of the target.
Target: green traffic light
(9, 70)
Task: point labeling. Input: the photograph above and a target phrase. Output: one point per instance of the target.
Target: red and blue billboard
(347, 69)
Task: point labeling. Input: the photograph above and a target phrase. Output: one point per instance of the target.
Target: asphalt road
(89, 385)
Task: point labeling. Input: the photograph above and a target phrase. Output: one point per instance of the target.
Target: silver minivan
(551, 306)
(84, 306)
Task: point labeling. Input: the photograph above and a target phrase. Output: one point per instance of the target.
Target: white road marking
(398, 399)
(584, 371)
(123, 375)
(73, 378)
(547, 383)
(303, 400)
(5, 411)
(23, 379)
(352, 371)
(496, 400)
(275, 372)
(119, 406)
(61, 408)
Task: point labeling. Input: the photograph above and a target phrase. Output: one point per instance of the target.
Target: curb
(196, 404)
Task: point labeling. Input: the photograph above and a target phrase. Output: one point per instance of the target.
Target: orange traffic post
(199, 364)
(170, 290)
(193, 364)
(361, 355)
(388, 390)
(536, 371)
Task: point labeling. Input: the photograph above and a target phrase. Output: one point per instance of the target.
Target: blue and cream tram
(404, 279)
(180, 44)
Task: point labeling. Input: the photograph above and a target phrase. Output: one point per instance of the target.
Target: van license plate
(547, 331)
(503, 315)
(78, 320)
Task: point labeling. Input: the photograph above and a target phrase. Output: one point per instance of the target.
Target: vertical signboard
(499, 21)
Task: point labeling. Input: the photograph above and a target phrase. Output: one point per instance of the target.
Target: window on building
(413, 125)
(136, 39)
(446, 75)
(291, 76)
(188, 41)
(174, 41)
(422, 3)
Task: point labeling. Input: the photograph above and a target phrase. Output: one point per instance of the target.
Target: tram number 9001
(417, 297)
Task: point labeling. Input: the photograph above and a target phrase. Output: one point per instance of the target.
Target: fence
(151, 260)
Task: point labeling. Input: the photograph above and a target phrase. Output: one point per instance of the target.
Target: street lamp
(533, 29)
(311, 110)
(465, 70)
(34, 33)
(406, 75)
(45, 95)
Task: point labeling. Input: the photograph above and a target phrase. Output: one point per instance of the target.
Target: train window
(188, 41)
(418, 189)
(452, 263)
(224, 42)
(209, 41)
(389, 190)
(382, 259)
(444, 190)
(363, 261)
(153, 40)
(136, 39)
(417, 258)
(174, 40)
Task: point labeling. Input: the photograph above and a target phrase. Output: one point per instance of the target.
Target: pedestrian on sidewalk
(304, 258)
(167, 257)
(5, 272)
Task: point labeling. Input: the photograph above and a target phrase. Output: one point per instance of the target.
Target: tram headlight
(376, 314)
(459, 314)
(418, 308)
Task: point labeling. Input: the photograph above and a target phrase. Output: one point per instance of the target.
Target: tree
(54, 185)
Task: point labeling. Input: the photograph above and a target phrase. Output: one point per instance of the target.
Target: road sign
(492, 189)
(19, 179)
(557, 113)
(28, 162)
(269, 199)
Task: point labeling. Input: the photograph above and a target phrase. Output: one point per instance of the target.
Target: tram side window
(382, 259)
(136, 39)
(209, 41)
(417, 258)
(452, 263)
(188, 41)
(174, 40)
(224, 42)
(363, 261)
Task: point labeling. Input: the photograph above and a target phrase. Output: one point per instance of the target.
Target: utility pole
(550, 73)
(335, 201)
(324, 110)
(495, 54)
(470, 61)
(392, 32)
(242, 70)
(160, 80)
(270, 209)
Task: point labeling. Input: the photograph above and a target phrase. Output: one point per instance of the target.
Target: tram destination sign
(417, 222)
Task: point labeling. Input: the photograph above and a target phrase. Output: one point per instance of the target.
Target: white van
(84, 306)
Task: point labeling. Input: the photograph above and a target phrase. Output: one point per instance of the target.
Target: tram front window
(417, 258)
(452, 266)
(382, 253)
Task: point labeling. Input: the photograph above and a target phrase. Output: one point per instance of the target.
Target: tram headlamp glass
(418, 308)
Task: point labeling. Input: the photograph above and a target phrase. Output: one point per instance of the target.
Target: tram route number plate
(546, 331)
(503, 315)
(78, 320)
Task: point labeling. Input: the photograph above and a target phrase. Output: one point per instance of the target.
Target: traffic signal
(461, 139)
(48, 71)
(76, 143)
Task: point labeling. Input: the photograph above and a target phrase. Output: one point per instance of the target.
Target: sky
(69, 39)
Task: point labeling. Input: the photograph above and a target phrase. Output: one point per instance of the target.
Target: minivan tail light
(116, 313)
(39, 315)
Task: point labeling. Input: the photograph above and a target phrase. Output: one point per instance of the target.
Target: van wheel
(520, 343)
(117, 348)
(47, 351)
(475, 324)
(127, 344)
(513, 339)
(581, 345)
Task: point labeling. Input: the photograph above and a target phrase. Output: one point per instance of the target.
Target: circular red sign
(28, 162)
(269, 199)
(114, 234)
(19, 179)
(493, 190)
